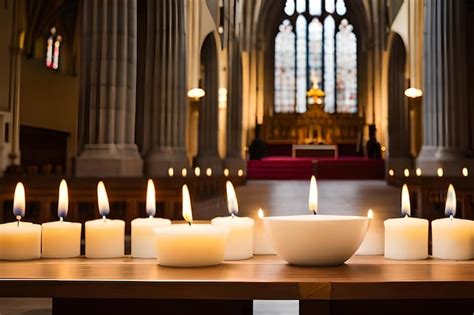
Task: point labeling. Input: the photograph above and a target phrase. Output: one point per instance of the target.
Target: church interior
(236, 157)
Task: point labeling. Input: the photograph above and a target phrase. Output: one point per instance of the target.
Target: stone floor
(278, 198)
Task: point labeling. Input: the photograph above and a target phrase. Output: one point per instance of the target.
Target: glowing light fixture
(196, 93)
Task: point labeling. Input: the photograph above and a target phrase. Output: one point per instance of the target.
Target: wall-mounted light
(196, 93)
(413, 92)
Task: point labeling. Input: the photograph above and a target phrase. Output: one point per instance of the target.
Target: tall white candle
(61, 239)
(190, 245)
(406, 238)
(105, 238)
(240, 243)
(452, 238)
(20, 240)
(142, 228)
(261, 244)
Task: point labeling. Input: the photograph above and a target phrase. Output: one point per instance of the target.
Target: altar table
(364, 285)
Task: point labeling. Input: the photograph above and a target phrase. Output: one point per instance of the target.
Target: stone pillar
(234, 159)
(108, 90)
(165, 87)
(444, 94)
(208, 155)
(399, 156)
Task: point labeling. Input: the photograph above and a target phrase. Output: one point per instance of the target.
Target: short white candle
(20, 240)
(190, 245)
(406, 238)
(240, 243)
(452, 238)
(142, 228)
(105, 238)
(261, 244)
(61, 239)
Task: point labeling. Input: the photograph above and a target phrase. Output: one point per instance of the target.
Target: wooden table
(140, 286)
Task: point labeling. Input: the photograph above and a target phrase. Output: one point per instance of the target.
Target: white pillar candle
(406, 238)
(452, 238)
(190, 245)
(261, 244)
(105, 238)
(142, 228)
(61, 239)
(20, 240)
(240, 243)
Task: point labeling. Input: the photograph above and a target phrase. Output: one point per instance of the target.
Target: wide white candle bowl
(142, 228)
(190, 245)
(452, 238)
(61, 239)
(315, 239)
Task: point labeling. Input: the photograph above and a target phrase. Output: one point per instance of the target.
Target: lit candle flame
(450, 208)
(465, 172)
(187, 211)
(418, 172)
(19, 201)
(391, 172)
(170, 172)
(370, 214)
(63, 202)
(197, 171)
(240, 173)
(406, 209)
(260, 213)
(103, 200)
(209, 171)
(232, 205)
(406, 172)
(313, 196)
(440, 172)
(184, 172)
(226, 172)
(150, 199)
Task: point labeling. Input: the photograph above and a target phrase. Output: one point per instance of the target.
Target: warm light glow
(450, 208)
(63, 201)
(465, 172)
(413, 92)
(383, 148)
(232, 205)
(196, 93)
(240, 173)
(187, 210)
(19, 200)
(226, 172)
(406, 172)
(170, 172)
(102, 199)
(220, 29)
(313, 195)
(370, 214)
(261, 214)
(197, 171)
(209, 171)
(184, 172)
(391, 172)
(150, 199)
(418, 172)
(222, 98)
(406, 209)
(440, 172)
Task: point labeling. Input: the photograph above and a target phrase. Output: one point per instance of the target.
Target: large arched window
(315, 46)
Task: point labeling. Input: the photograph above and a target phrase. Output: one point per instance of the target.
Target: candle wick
(61, 219)
(406, 216)
(18, 218)
(151, 217)
(104, 218)
(232, 215)
(314, 212)
(189, 223)
(451, 217)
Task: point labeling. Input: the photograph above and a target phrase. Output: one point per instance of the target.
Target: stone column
(208, 155)
(234, 159)
(444, 94)
(108, 90)
(165, 87)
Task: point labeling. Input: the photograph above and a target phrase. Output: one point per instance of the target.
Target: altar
(127, 286)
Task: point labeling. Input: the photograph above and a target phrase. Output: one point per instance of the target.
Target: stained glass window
(316, 47)
(53, 45)
(346, 77)
(285, 74)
